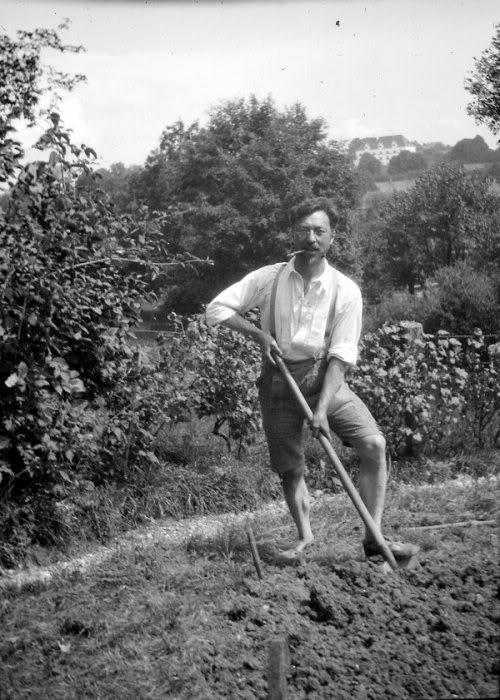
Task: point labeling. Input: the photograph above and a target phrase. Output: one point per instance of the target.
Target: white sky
(391, 67)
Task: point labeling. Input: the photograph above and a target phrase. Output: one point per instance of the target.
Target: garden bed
(189, 618)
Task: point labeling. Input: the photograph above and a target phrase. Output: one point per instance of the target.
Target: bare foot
(295, 551)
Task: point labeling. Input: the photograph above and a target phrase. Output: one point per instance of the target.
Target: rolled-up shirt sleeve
(239, 297)
(347, 329)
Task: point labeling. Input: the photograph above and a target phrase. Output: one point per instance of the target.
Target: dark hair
(309, 206)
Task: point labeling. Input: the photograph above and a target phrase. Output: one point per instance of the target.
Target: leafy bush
(212, 372)
(399, 305)
(73, 273)
(457, 299)
(430, 395)
(464, 299)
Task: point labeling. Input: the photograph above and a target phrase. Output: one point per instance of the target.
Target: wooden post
(277, 668)
(255, 552)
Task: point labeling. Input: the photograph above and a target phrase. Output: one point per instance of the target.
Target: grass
(197, 476)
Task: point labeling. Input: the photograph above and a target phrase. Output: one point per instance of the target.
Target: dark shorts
(349, 418)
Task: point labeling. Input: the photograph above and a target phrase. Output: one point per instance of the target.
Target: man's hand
(266, 342)
(268, 347)
(319, 424)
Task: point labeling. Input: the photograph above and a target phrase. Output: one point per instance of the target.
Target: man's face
(313, 235)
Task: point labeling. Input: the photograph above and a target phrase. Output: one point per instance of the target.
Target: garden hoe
(390, 562)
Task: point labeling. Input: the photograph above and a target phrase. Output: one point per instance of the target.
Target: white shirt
(300, 318)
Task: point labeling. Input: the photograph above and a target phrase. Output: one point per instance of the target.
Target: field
(185, 616)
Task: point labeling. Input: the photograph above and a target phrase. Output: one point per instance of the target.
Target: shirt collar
(322, 281)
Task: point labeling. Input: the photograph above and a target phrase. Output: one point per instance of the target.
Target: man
(311, 317)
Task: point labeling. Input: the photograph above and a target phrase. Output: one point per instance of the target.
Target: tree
(370, 165)
(474, 150)
(117, 181)
(433, 152)
(225, 187)
(23, 79)
(406, 162)
(447, 216)
(464, 299)
(484, 86)
(372, 243)
(73, 273)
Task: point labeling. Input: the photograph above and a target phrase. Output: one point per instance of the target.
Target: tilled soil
(193, 621)
(355, 632)
(360, 633)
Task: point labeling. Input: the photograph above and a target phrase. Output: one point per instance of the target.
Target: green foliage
(457, 299)
(406, 162)
(484, 86)
(212, 372)
(23, 77)
(117, 181)
(73, 273)
(225, 188)
(430, 395)
(372, 241)
(474, 150)
(370, 165)
(463, 299)
(400, 305)
(69, 299)
(447, 216)
(434, 152)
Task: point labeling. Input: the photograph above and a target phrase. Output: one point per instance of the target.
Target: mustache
(302, 250)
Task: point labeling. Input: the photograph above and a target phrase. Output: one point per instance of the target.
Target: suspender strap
(272, 303)
(331, 312)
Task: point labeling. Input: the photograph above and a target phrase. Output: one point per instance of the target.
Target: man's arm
(265, 340)
(334, 378)
(342, 353)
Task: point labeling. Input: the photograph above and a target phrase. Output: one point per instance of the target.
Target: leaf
(11, 380)
(5, 443)
(22, 370)
(32, 319)
(152, 457)
(5, 468)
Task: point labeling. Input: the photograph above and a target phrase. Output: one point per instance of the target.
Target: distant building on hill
(382, 147)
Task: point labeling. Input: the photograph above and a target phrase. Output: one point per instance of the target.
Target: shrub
(75, 400)
(457, 299)
(464, 299)
(400, 305)
(212, 372)
(430, 395)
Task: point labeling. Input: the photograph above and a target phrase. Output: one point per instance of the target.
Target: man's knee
(372, 446)
(292, 476)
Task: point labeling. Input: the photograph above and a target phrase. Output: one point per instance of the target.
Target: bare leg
(373, 475)
(297, 500)
(372, 485)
